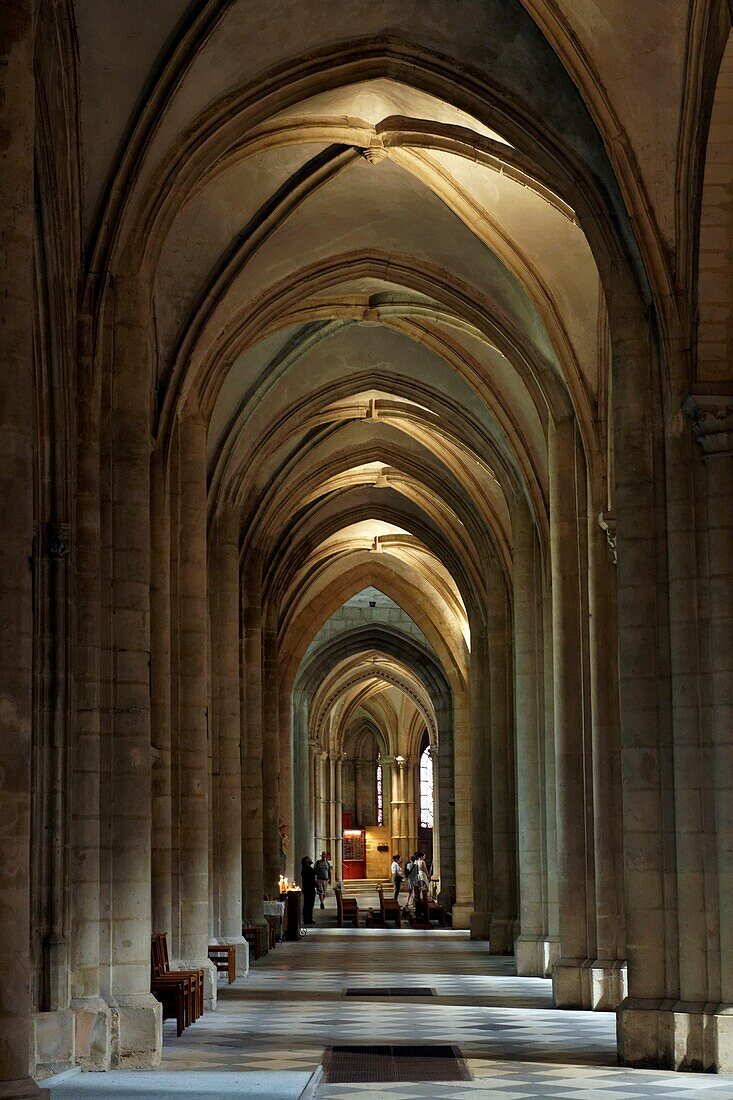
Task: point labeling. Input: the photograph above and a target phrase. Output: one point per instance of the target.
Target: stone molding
(711, 416)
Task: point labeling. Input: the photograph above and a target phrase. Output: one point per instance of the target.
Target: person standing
(397, 876)
(323, 877)
(413, 878)
(308, 882)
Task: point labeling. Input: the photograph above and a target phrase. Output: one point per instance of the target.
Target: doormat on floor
(389, 991)
(344, 1065)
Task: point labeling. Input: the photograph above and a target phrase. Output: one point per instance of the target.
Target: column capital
(711, 416)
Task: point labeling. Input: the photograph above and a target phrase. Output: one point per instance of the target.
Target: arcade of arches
(366, 388)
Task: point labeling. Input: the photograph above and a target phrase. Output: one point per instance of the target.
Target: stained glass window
(380, 797)
(426, 790)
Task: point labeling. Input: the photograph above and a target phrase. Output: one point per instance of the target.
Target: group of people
(416, 873)
(315, 879)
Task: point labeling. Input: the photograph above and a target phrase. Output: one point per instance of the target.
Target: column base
(137, 1032)
(92, 1033)
(535, 955)
(676, 1035)
(608, 984)
(501, 936)
(480, 923)
(24, 1089)
(571, 983)
(461, 915)
(52, 1042)
(210, 977)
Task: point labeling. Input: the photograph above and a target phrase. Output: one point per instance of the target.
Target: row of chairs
(181, 992)
(426, 910)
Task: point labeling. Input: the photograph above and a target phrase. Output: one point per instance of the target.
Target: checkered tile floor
(292, 1006)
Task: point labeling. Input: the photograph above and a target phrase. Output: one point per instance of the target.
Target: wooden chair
(436, 912)
(224, 958)
(389, 908)
(175, 998)
(346, 908)
(255, 937)
(271, 932)
(162, 967)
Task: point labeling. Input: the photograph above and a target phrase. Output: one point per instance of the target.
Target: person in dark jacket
(308, 880)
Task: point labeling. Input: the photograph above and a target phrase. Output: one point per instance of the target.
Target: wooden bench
(389, 909)
(224, 958)
(346, 908)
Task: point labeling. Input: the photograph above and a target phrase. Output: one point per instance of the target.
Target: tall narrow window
(426, 790)
(380, 797)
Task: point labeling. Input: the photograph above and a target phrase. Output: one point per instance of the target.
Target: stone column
(463, 825)
(270, 760)
(394, 803)
(252, 791)
(193, 754)
(16, 513)
(502, 794)
(412, 804)
(225, 650)
(338, 845)
(321, 802)
(552, 903)
(644, 1021)
(301, 835)
(308, 826)
(292, 767)
(530, 946)
(570, 975)
(137, 1027)
(608, 979)
(481, 784)
(160, 674)
(434, 752)
(712, 417)
(92, 1040)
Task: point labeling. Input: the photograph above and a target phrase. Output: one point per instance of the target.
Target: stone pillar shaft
(160, 668)
(92, 1023)
(500, 759)
(225, 646)
(646, 758)
(712, 418)
(481, 785)
(570, 988)
(607, 976)
(270, 760)
(252, 792)
(193, 753)
(529, 946)
(138, 1024)
(17, 105)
